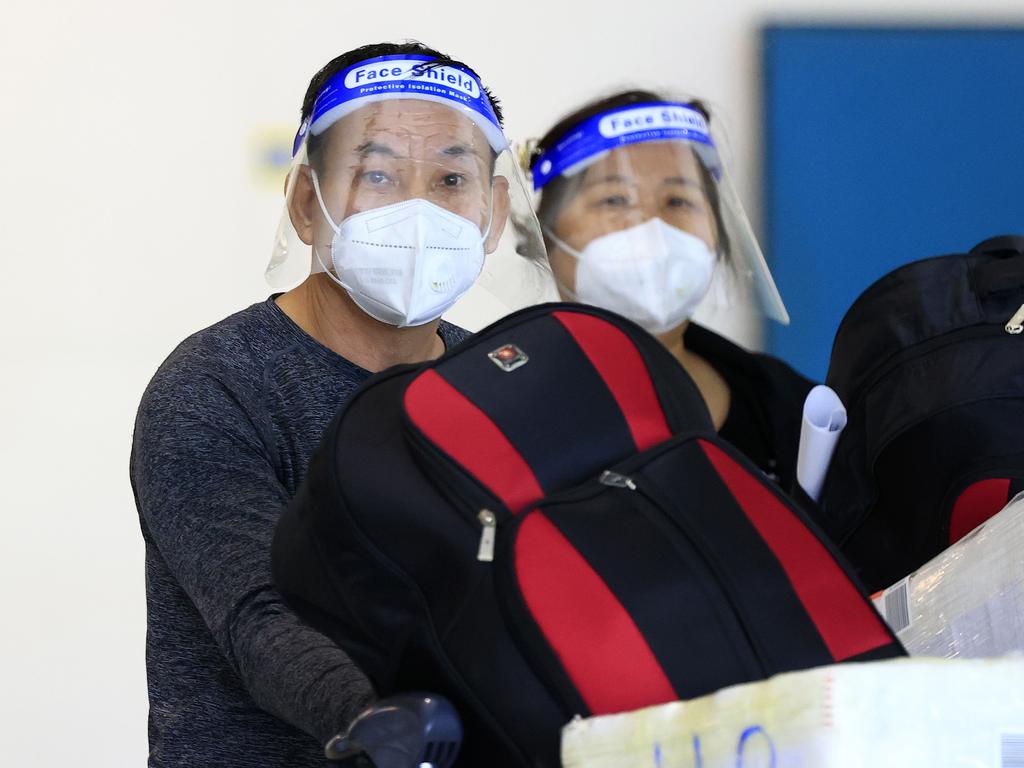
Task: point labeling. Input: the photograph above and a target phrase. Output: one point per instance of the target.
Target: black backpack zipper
(629, 483)
(909, 354)
(476, 506)
(1015, 325)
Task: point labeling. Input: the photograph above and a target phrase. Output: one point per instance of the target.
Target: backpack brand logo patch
(508, 357)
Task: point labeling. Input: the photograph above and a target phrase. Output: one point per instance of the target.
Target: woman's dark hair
(372, 51)
(559, 189)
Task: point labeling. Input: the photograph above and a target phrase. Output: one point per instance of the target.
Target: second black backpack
(542, 523)
(930, 363)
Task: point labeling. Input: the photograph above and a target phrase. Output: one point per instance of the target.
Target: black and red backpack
(929, 361)
(543, 523)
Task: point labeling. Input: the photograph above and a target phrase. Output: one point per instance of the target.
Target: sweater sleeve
(209, 498)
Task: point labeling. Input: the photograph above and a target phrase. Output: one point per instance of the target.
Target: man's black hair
(557, 190)
(387, 49)
(374, 50)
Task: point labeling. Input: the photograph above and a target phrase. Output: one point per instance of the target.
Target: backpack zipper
(618, 480)
(1015, 325)
(488, 534)
(910, 354)
(454, 486)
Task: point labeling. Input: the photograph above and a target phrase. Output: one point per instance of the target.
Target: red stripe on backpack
(977, 503)
(469, 437)
(624, 373)
(594, 637)
(848, 625)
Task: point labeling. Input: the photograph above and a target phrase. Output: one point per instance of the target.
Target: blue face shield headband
(402, 76)
(598, 135)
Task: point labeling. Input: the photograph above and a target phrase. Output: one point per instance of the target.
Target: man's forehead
(411, 125)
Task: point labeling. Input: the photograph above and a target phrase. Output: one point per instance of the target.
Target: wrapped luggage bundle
(902, 712)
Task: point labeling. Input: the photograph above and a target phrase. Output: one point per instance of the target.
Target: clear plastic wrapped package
(967, 602)
(901, 712)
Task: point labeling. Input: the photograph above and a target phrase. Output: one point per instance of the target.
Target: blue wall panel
(882, 146)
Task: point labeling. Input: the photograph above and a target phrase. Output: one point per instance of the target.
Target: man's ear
(500, 205)
(301, 202)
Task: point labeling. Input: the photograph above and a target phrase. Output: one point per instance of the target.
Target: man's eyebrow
(459, 150)
(374, 147)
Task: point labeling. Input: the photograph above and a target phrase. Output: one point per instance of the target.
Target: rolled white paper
(823, 422)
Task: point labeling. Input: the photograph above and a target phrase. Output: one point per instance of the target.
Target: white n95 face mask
(407, 263)
(653, 273)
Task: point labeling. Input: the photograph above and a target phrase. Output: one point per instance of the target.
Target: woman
(639, 218)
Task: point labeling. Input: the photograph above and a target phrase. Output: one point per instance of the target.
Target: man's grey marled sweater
(223, 437)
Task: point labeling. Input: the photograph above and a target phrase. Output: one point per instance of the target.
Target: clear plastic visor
(654, 230)
(411, 178)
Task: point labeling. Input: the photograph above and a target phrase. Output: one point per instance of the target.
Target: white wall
(130, 216)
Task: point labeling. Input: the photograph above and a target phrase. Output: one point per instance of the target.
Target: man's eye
(453, 180)
(376, 177)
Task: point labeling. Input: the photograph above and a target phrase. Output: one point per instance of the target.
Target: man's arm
(210, 498)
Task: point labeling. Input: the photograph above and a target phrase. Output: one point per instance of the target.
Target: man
(392, 205)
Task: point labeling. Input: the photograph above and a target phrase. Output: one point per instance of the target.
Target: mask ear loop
(320, 200)
(327, 217)
(490, 217)
(561, 243)
(578, 255)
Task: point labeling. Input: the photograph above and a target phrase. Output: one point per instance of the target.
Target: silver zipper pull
(489, 521)
(1016, 323)
(615, 480)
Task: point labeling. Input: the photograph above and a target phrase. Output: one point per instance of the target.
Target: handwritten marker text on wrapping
(411, 70)
(759, 757)
(646, 118)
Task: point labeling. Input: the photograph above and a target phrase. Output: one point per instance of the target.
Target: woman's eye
(615, 201)
(681, 202)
